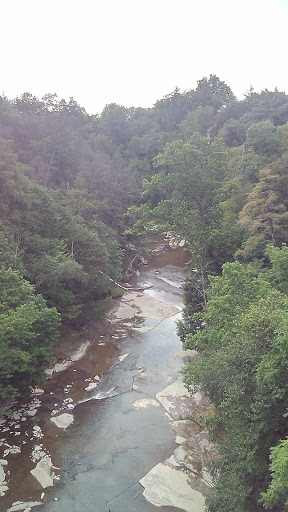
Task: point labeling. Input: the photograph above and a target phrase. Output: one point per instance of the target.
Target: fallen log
(127, 289)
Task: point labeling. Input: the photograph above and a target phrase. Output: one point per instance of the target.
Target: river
(98, 428)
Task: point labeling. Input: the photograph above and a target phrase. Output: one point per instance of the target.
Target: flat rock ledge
(26, 507)
(63, 420)
(183, 480)
(138, 306)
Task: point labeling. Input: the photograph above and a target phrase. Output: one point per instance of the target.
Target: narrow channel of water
(119, 430)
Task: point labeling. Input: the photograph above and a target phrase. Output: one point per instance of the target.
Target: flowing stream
(98, 427)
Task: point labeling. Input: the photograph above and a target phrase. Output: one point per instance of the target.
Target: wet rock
(13, 450)
(43, 472)
(183, 480)
(123, 356)
(143, 403)
(63, 420)
(37, 391)
(3, 484)
(186, 428)
(195, 454)
(16, 416)
(146, 285)
(140, 304)
(31, 412)
(91, 386)
(188, 355)
(171, 283)
(26, 507)
(165, 485)
(37, 432)
(38, 453)
(65, 363)
(68, 401)
(174, 242)
(179, 439)
(179, 403)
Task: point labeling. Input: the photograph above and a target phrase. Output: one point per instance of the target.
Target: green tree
(171, 110)
(263, 138)
(213, 92)
(28, 329)
(200, 121)
(243, 372)
(278, 489)
(189, 194)
(233, 133)
(114, 123)
(265, 213)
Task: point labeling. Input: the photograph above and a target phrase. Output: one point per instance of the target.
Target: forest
(79, 196)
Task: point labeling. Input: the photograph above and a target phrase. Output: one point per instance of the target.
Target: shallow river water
(118, 429)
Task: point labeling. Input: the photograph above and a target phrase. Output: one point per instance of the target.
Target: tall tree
(265, 213)
(213, 92)
(189, 196)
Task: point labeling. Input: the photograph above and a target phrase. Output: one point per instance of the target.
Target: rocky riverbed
(112, 427)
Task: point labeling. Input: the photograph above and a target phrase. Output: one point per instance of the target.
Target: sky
(134, 52)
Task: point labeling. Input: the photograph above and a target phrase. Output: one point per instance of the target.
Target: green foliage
(265, 212)
(278, 273)
(193, 186)
(213, 92)
(278, 489)
(28, 329)
(189, 196)
(243, 369)
(262, 137)
(171, 110)
(233, 133)
(200, 121)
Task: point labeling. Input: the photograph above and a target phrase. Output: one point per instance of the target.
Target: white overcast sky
(133, 52)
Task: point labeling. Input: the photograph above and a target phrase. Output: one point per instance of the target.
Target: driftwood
(127, 289)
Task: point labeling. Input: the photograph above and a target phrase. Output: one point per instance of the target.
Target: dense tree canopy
(243, 369)
(28, 329)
